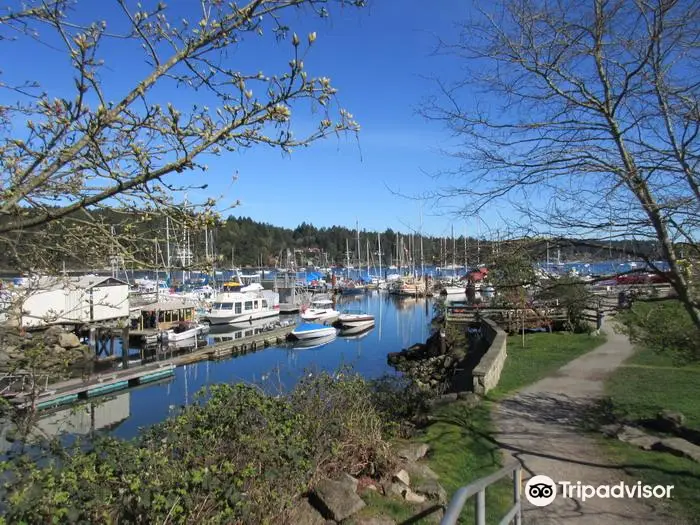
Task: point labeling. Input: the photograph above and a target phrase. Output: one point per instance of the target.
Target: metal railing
(478, 488)
(22, 382)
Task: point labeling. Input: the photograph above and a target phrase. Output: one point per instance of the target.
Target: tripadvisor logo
(542, 490)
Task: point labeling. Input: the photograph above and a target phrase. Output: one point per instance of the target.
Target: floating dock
(74, 390)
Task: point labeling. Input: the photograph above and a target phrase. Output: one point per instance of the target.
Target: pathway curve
(540, 426)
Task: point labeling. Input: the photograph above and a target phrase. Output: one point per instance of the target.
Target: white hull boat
(239, 309)
(356, 320)
(316, 342)
(189, 331)
(321, 311)
(357, 332)
(454, 290)
(306, 331)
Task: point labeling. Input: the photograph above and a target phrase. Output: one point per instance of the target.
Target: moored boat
(349, 320)
(312, 331)
(321, 310)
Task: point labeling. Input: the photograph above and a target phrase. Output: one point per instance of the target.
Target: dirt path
(540, 426)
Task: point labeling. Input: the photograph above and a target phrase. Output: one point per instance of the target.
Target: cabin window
(256, 305)
(249, 305)
(238, 308)
(248, 333)
(227, 306)
(239, 335)
(264, 303)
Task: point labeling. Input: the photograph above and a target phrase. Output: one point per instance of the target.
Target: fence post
(517, 485)
(481, 507)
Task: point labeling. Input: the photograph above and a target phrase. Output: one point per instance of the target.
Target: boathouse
(161, 315)
(72, 301)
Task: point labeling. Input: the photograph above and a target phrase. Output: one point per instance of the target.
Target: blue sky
(379, 58)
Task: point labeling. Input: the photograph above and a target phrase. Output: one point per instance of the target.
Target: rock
(433, 513)
(637, 437)
(347, 480)
(431, 489)
(419, 471)
(394, 489)
(470, 398)
(51, 335)
(679, 447)
(403, 477)
(336, 499)
(413, 451)
(412, 497)
(68, 340)
(670, 421)
(611, 430)
(304, 512)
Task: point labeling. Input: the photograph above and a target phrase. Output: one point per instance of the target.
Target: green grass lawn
(650, 382)
(647, 383)
(541, 356)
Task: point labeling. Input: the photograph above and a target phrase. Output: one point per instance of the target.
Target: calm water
(399, 324)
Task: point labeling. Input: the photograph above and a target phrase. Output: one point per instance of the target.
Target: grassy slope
(541, 356)
(647, 383)
(461, 448)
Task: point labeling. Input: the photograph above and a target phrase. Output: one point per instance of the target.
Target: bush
(665, 327)
(236, 456)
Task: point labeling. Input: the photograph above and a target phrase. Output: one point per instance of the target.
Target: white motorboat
(453, 290)
(236, 307)
(321, 310)
(316, 342)
(350, 320)
(306, 331)
(185, 330)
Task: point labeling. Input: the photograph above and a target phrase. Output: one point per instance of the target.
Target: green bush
(664, 327)
(238, 455)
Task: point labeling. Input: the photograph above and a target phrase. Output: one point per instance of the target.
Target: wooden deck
(511, 319)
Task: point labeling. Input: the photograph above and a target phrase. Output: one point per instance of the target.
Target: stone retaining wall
(488, 372)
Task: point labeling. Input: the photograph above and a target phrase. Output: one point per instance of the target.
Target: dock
(289, 308)
(74, 390)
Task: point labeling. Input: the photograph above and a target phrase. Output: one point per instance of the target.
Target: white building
(71, 300)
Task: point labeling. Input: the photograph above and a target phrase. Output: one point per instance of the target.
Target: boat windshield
(222, 306)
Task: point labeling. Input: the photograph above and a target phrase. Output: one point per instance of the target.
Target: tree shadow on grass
(541, 418)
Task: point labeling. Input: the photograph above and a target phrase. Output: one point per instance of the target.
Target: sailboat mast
(454, 270)
(379, 247)
(347, 259)
(359, 259)
(367, 240)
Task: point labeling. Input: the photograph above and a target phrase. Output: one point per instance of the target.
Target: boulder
(432, 490)
(51, 335)
(68, 340)
(394, 489)
(679, 447)
(304, 512)
(336, 499)
(413, 451)
(611, 430)
(347, 480)
(413, 497)
(419, 471)
(637, 437)
(670, 421)
(403, 477)
(470, 398)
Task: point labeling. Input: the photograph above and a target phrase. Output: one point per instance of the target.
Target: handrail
(478, 488)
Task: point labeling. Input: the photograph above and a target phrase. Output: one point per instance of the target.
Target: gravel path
(540, 426)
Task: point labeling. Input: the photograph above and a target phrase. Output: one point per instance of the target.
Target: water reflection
(399, 323)
(316, 342)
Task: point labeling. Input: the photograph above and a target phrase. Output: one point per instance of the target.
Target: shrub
(235, 456)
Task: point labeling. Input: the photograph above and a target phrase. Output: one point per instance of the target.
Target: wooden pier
(511, 319)
(73, 390)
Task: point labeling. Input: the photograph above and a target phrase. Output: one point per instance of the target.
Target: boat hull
(357, 326)
(302, 334)
(240, 320)
(350, 321)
